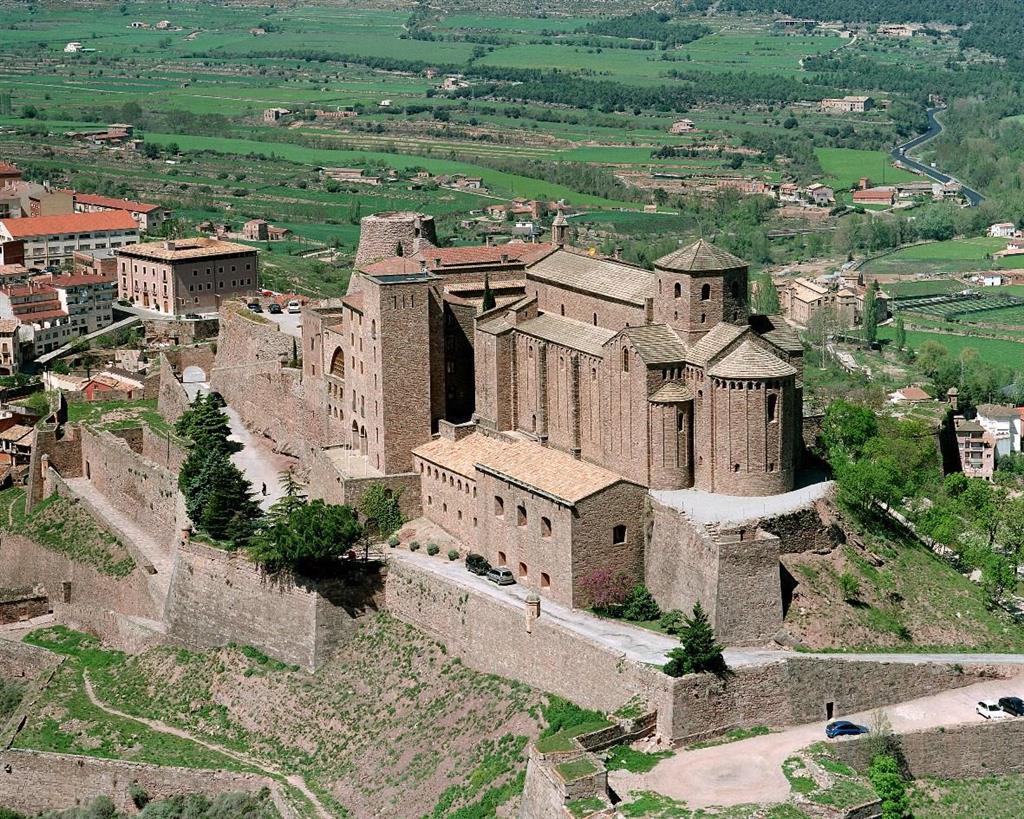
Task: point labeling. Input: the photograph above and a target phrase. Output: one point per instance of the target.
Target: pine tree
(699, 651)
(228, 499)
(871, 313)
(292, 499)
(489, 300)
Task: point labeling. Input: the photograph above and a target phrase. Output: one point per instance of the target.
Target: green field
(843, 167)
(995, 351)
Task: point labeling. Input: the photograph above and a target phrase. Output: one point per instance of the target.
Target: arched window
(522, 571)
(373, 328)
(399, 250)
(338, 363)
(625, 360)
(499, 506)
(705, 292)
(545, 527)
(520, 515)
(773, 401)
(619, 534)
(678, 290)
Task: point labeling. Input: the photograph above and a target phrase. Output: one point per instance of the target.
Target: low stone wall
(219, 597)
(23, 661)
(32, 781)
(22, 604)
(180, 331)
(327, 483)
(955, 752)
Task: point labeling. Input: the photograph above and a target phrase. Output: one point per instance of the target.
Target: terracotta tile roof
(816, 289)
(15, 433)
(41, 315)
(353, 300)
(79, 279)
(656, 343)
(392, 266)
(698, 257)
(588, 274)
(462, 456)
(8, 326)
(114, 204)
(520, 252)
(13, 270)
(549, 471)
(780, 334)
(751, 360)
(576, 335)
(672, 393)
(963, 425)
(913, 394)
(998, 411)
(196, 247)
(717, 339)
(29, 226)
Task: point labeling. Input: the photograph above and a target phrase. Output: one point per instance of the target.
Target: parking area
(290, 323)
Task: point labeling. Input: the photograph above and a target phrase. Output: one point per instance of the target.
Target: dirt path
(273, 772)
(751, 770)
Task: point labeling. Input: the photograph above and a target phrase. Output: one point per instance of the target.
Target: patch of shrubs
(414, 546)
(433, 549)
(453, 554)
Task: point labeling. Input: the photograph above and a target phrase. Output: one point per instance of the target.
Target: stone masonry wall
(81, 597)
(979, 749)
(32, 781)
(144, 491)
(21, 660)
(218, 597)
(171, 400)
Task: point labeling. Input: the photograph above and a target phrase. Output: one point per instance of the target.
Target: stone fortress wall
(33, 781)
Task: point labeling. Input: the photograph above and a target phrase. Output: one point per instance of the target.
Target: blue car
(843, 728)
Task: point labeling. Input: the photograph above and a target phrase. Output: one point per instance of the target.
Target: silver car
(501, 576)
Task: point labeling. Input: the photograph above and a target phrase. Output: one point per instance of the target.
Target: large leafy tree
(309, 540)
(698, 652)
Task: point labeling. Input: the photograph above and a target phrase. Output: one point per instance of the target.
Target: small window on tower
(625, 360)
(705, 292)
(678, 290)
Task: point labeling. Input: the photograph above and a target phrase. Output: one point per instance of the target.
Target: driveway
(751, 770)
(290, 323)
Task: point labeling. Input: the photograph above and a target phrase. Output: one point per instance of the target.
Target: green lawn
(973, 249)
(991, 797)
(995, 351)
(843, 167)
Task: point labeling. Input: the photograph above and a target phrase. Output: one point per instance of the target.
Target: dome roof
(699, 257)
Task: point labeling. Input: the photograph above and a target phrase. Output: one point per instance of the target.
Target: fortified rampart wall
(219, 597)
(952, 752)
(490, 635)
(34, 781)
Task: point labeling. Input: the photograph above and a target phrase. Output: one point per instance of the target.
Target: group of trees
(296, 534)
(649, 25)
(218, 497)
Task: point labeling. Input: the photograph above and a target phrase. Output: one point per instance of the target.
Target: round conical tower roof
(700, 257)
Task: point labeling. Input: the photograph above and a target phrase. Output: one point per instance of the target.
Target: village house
(821, 195)
(148, 217)
(19, 197)
(350, 176)
(16, 444)
(260, 230)
(976, 447)
(682, 126)
(73, 47)
(1003, 423)
(848, 104)
(882, 195)
(37, 307)
(272, 115)
(186, 275)
(46, 241)
(909, 395)
(10, 346)
(1003, 230)
(335, 115)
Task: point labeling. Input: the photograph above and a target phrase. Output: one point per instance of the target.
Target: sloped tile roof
(576, 335)
(717, 339)
(656, 343)
(114, 204)
(588, 274)
(195, 247)
(461, 456)
(28, 226)
(698, 257)
(994, 411)
(548, 470)
(750, 360)
(672, 393)
(780, 334)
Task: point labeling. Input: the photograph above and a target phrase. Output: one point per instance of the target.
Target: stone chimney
(953, 395)
(423, 265)
(170, 245)
(504, 258)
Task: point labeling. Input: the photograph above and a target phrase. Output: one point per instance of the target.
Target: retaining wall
(954, 752)
(32, 781)
(218, 597)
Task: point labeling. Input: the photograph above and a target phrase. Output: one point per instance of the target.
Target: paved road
(751, 770)
(290, 323)
(901, 154)
(647, 646)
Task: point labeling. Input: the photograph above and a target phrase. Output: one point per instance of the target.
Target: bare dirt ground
(751, 770)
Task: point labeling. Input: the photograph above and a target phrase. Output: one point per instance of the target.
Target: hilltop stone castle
(568, 427)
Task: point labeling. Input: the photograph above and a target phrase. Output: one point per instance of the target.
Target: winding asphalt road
(901, 154)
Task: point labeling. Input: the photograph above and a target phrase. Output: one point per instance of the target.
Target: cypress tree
(870, 313)
(489, 300)
(699, 651)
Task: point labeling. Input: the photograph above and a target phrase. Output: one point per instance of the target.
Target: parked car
(501, 576)
(990, 709)
(845, 728)
(274, 308)
(255, 307)
(1012, 705)
(294, 306)
(477, 564)
(192, 316)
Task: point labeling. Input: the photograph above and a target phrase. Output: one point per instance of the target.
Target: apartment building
(49, 241)
(148, 217)
(186, 275)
